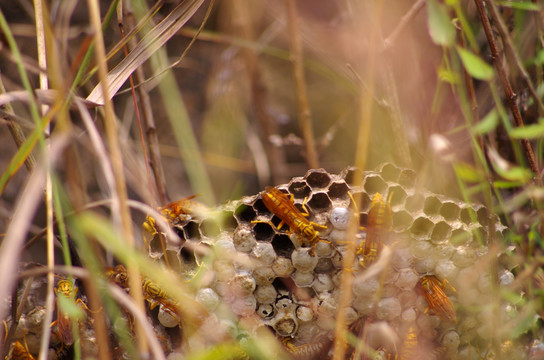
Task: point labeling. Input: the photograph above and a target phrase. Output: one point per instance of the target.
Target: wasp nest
(294, 287)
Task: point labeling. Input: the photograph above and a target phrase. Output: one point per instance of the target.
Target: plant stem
(508, 92)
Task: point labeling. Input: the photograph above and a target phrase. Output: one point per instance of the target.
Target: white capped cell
(506, 278)
(464, 256)
(283, 266)
(264, 275)
(407, 279)
(264, 252)
(207, 297)
(244, 238)
(446, 270)
(304, 313)
(266, 294)
(323, 249)
(388, 308)
(340, 217)
(322, 282)
(451, 340)
(302, 260)
(303, 278)
(409, 315)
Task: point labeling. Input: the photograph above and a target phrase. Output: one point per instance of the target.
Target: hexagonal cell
(286, 325)
(258, 207)
(482, 215)
(263, 231)
(431, 205)
(352, 173)
(318, 178)
(364, 205)
(227, 221)
(266, 311)
(375, 184)
(407, 178)
(389, 172)
(421, 227)
(441, 232)
(283, 245)
(243, 239)
(210, 228)
(191, 231)
(398, 195)
(340, 217)
(466, 216)
(245, 213)
(173, 261)
(156, 245)
(324, 265)
(320, 202)
(299, 189)
(460, 237)
(402, 220)
(414, 203)
(283, 266)
(450, 211)
(479, 234)
(338, 190)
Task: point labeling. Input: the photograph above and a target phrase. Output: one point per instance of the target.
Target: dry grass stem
(297, 59)
(507, 88)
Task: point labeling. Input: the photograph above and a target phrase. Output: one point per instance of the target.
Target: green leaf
(440, 27)
(528, 6)
(515, 173)
(468, 173)
(488, 123)
(476, 67)
(528, 131)
(500, 184)
(448, 76)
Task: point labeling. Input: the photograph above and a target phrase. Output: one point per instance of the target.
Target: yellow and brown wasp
(313, 350)
(19, 351)
(434, 292)
(66, 291)
(283, 207)
(152, 292)
(408, 350)
(378, 225)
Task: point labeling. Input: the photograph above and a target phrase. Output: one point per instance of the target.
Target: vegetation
(116, 108)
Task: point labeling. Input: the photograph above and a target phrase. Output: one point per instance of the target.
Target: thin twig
(16, 130)
(260, 100)
(507, 41)
(509, 93)
(147, 114)
(388, 42)
(123, 216)
(304, 114)
(136, 107)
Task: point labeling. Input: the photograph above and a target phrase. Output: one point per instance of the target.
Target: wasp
(118, 275)
(408, 350)
(313, 350)
(19, 351)
(283, 206)
(152, 292)
(434, 292)
(178, 209)
(67, 291)
(378, 225)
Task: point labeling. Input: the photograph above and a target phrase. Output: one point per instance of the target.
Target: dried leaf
(150, 43)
